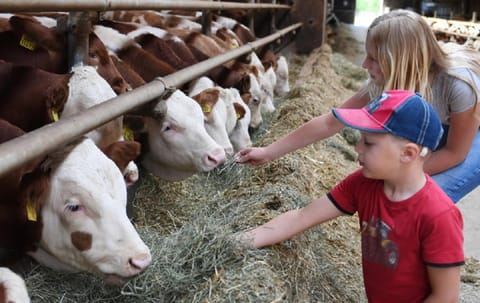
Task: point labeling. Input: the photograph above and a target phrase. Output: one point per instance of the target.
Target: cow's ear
(245, 83)
(239, 110)
(122, 152)
(135, 123)
(55, 99)
(246, 97)
(33, 191)
(207, 99)
(35, 34)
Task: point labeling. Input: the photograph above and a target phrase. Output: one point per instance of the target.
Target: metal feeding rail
(47, 138)
(11, 6)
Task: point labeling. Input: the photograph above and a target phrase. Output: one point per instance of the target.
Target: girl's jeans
(459, 180)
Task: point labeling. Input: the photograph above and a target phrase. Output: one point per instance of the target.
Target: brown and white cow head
(77, 200)
(217, 117)
(178, 144)
(239, 135)
(86, 89)
(282, 86)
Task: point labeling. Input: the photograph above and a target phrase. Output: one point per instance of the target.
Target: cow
(282, 86)
(153, 18)
(29, 42)
(12, 287)
(67, 210)
(243, 33)
(280, 66)
(175, 143)
(226, 115)
(31, 98)
(87, 88)
(267, 80)
(240, 136)
(220, 116)
(128, 50)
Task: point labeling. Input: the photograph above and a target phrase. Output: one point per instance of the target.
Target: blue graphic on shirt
(376, 245)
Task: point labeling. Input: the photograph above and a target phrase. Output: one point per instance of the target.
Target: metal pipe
(49, 137)
(11, 6)
(79, 27)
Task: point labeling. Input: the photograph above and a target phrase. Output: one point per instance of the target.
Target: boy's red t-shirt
(399, 239)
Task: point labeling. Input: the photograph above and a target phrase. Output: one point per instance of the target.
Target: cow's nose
(140, 262)
(216, 157)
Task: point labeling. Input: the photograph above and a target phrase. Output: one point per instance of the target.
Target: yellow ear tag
(238, 116)
(233, 45)
(54, 115)
(206, 108)
(27, 43)
(128, 134)
(31, 211)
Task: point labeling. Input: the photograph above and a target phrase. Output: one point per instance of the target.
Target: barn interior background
(189, 224)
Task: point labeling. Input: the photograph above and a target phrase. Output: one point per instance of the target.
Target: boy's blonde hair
(410, 56)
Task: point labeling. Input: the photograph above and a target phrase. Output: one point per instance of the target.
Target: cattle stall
(304, 24)
(310, 15)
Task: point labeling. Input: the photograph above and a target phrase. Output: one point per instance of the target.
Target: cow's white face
(86, 89)
(85, 225)
(282, 86)
(240, 136)
(216, 120)
(179, 145)
(267, 83)
(256, 97)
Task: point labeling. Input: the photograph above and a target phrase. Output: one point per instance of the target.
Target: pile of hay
(188, 225)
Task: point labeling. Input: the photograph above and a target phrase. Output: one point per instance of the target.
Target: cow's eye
(166, 128)
(73, 207)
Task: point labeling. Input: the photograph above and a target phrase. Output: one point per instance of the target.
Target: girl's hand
(253, 156)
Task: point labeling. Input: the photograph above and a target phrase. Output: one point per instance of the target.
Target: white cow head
(255, 97)
(282, 86)
(219, 116)
(86, 89)
(267, 82)
(12, 287)
(178, 144)
(239, 135)
(79, 197)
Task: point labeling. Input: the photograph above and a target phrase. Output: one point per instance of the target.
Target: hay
(188, 225)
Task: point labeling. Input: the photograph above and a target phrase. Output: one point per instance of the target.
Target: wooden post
(313, 15)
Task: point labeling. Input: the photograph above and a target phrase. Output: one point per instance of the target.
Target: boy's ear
(411, 151)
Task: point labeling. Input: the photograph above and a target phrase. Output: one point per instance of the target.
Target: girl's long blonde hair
(410, 56)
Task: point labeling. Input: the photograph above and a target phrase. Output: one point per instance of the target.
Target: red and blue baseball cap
(399, 112)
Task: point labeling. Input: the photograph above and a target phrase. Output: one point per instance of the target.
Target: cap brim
(359, 119)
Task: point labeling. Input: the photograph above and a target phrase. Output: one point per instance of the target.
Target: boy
(412, 241)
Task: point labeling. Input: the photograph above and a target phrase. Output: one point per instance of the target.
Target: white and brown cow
(30, 42)
(175, 143)
(227, 117)
(75, 211)
(31, 98)
(68, 210)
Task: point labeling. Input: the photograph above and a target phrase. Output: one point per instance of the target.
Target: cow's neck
(165, 172)
(48, 260)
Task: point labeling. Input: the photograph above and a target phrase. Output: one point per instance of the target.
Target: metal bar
(49, 137)
(79, 27)
(11, 6)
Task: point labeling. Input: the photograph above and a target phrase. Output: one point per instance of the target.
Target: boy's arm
(290, 223)
(445, 283)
